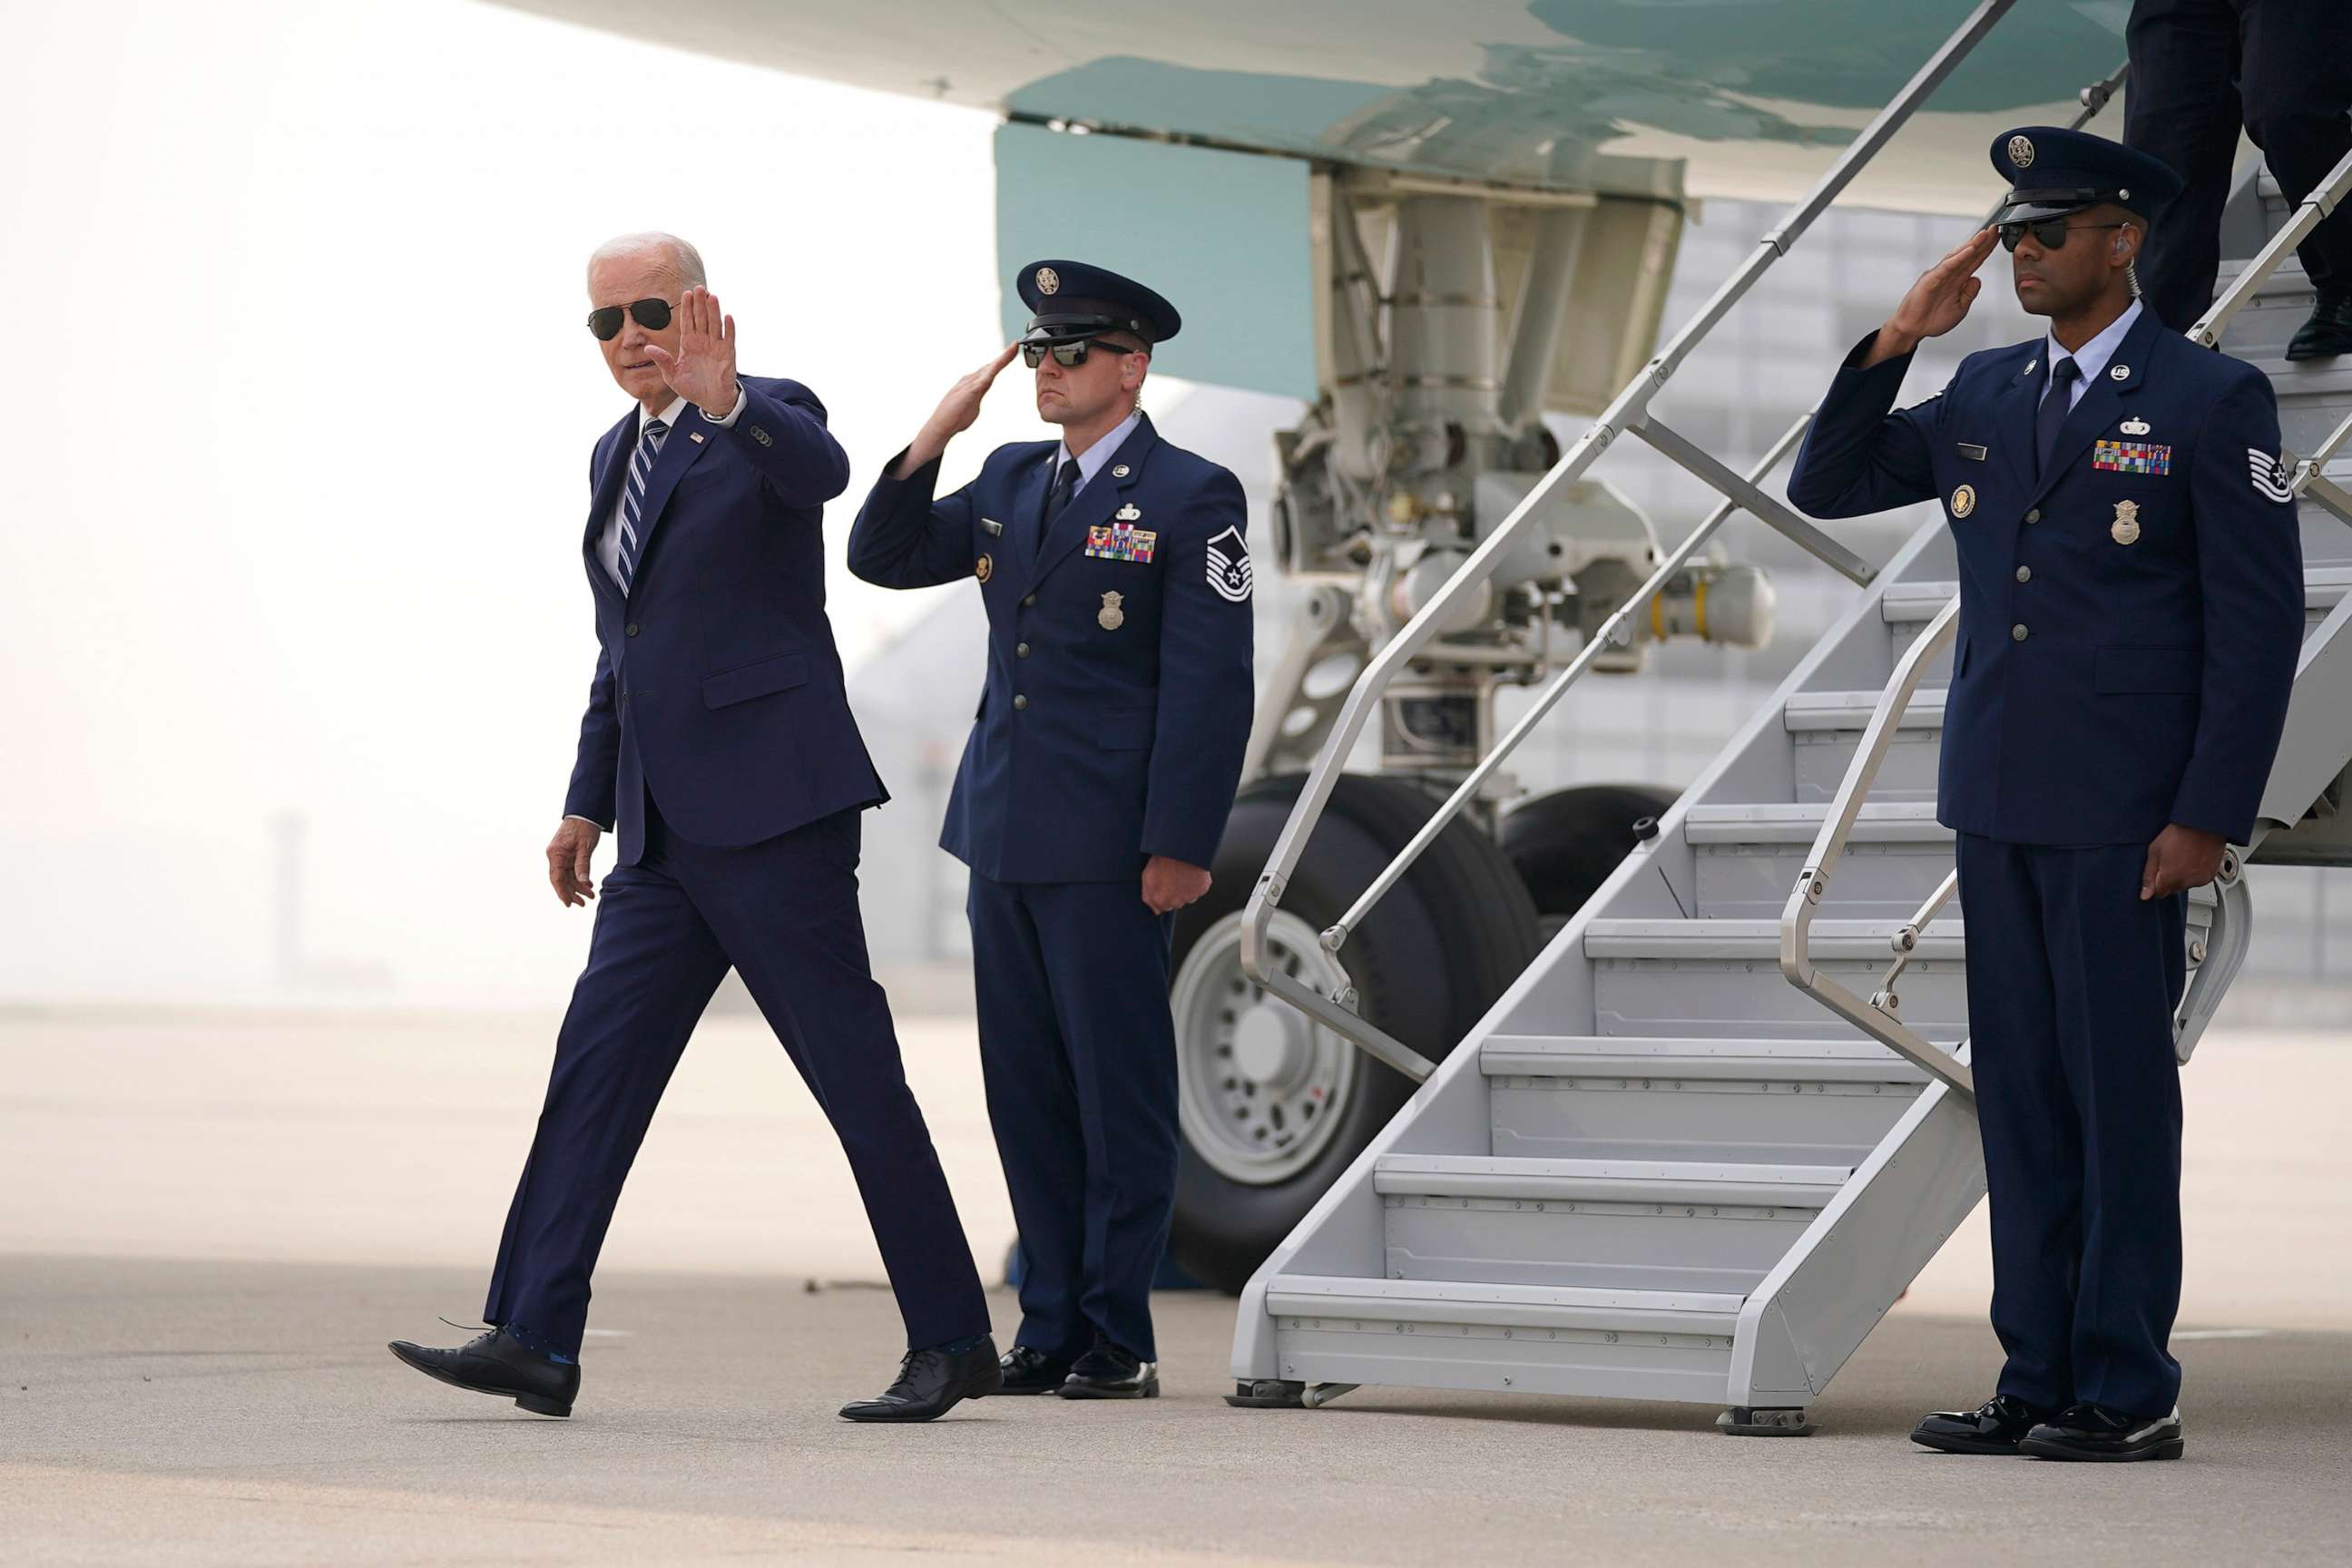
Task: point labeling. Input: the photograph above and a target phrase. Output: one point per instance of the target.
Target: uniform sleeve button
(2018, 633)
(2034, 516)
(2026, 574)
(1021, 650)
(1020, 702)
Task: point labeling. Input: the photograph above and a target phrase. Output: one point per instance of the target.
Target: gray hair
(684, 260)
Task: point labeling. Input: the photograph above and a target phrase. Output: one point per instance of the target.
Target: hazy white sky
(302, 413)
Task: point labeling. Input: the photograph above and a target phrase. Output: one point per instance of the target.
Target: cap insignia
(1050, 282)
(2020, 151)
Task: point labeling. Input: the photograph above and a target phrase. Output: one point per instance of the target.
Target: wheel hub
(1263, 1088)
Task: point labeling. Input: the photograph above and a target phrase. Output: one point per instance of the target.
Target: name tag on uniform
(2132, 457)
(996, 528)
(1972, 452)
(1117, 542)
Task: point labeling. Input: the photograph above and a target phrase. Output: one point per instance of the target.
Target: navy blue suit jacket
(1118, 694)
(717, 687)
(2128, 637)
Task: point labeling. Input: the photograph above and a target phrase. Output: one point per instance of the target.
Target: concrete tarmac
(248, 1413)
(210, 1223)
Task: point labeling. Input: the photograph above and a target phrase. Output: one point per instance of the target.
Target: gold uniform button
(2034, 516)
(1021, 650)
(2018, 633)
(1020, 702)
(2026, 574)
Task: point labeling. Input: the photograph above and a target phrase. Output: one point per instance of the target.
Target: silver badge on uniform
(1048, 281)
(1110, 617)
(1120, 471)
(2134, 426)
(1127, 513)
(2121, 372)
(1972, 452)
(2020, 151)
(996, 528)
(2126, 529)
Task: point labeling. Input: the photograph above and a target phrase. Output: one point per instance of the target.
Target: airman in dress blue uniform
(2131, 611)
(1101, 767)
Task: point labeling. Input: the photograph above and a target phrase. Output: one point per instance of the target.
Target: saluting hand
(956, 412)
(1938, 301)
(702, 371)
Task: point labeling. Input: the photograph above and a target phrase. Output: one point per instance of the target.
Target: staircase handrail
(1879, 1015)
(1629, 412)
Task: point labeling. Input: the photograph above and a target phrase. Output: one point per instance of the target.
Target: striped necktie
(633, 504)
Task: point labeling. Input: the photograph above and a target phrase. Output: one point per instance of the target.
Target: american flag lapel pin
(695, 436)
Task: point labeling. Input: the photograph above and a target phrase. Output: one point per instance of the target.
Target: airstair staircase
(1660, 1169)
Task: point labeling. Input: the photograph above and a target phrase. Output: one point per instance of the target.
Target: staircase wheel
(1275, 1107)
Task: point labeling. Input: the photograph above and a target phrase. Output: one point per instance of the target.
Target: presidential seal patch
(983, 568)
(2125, 528)
(1964, 501)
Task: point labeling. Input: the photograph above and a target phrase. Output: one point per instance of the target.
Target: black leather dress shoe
(931, 1383)
(499, 1363)
(1028, 1370)
(1112, 1372)
(1996, 1426)
(2095, 1432)
(2328, 332)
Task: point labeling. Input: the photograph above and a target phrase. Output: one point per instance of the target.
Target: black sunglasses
(652, 315)
(1071, 354)
(2049, 234)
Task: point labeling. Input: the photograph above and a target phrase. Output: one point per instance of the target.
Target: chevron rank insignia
(1118, 541)
(1230, 570)
(2270, 475)
(2132, 456)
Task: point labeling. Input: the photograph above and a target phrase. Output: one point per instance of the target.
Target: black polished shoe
(1996, 1426)
(931, 1383)
(2328, 332)
(499, 1363)
(2095, 1432)
(1112, 1372)
(1031, 1371)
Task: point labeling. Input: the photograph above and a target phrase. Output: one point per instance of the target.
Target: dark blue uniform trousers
(784, 913)
(1078, 1053)
(2072, 982)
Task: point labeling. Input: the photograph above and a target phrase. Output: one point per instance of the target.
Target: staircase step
(1826, 731)
(1747, 858)
(1440, 1333)
(1689, 978)
(1759, 940)
(1644, 1224)
(1773, 1103)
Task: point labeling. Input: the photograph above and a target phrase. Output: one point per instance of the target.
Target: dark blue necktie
(632, 503)
(1066, 485)
(2056, 404)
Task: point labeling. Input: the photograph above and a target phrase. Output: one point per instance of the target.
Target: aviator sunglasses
(2049, 234)
(1064, 354)
(652, 315)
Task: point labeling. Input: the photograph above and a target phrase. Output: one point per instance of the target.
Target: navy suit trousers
(1078, 1053)
(2072, 982)
(784, 913)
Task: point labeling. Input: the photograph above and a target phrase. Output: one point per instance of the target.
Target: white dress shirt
(2092, 357)
(608, 543)
(1091, 460)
